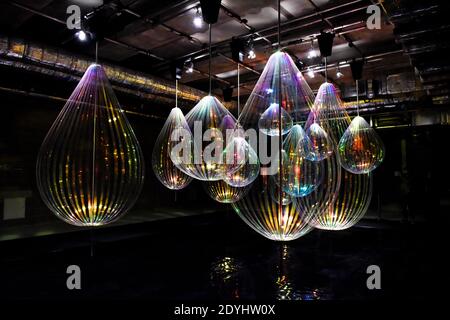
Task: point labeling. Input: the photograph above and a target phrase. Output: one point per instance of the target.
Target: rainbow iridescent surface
(163, 167)
(90, 168)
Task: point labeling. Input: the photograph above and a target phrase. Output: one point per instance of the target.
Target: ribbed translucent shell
(163, 167)
(360, 148)
(345, 199)
(90, 168)
(208, 122)
(262, 209)
(297, 96)
(223, 192)
(300, 175)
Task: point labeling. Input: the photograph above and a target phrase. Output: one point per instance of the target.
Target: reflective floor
(216, 256)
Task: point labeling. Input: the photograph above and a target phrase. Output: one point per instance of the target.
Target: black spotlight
(210, 10)
(237, 47)
(176, 69)
(325, 40)
(227, 94)
(357, 68)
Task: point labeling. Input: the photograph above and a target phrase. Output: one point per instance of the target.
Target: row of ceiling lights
(251, 54)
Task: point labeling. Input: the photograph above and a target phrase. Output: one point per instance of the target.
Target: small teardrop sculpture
(203, 159)
(163, 167)
(269, 121)
(360, 148)
(90, 168)
(224, 193)
(241, 152)
(321, 144)
(300, 175)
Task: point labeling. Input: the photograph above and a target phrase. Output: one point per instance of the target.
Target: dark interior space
(182, 245)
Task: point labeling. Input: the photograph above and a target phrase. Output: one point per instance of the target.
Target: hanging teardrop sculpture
(203, 159)
(282, 84)
(300, 175)
(242, 152)
(163, 167)
(223, 192)
(346, 196)
(321, 146)
(360, 148)
(90, 168)
(268, 122)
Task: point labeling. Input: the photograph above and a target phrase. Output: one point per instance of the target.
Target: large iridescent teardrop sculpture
(360, 148)
(300, 175)
(242, 152)
(223, 192)
(163, 167)
(321, 146)
(90, 168)
(345, 196)
(204, 157)
(262, 208)
(269, 121)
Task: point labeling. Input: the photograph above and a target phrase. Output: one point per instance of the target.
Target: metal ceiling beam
(272, 29)
(243, 22)
(327, 21)
(114, 41)
(197, 42)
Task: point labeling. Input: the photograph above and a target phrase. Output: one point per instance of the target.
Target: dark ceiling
(148, 36)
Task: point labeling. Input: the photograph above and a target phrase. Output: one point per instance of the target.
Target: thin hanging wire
(94, 134)
(326, 71)
(96, 52)
(279, 22)
(238, 92)
(357, 98)
(209, 59)
(176, 93)
(176, 106)
(280, 135)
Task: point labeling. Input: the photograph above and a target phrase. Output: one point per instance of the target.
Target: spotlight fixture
(198, 19)
(251, 51)
(312, 53)
(251, 54)
(311, 73)
(81, 35)
(189, 66)
(339, 74)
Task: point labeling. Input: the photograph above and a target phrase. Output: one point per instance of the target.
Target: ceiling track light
(339, 74)
(189, 65)
(198, 19)
(312, 52)
(251, 51)
(81, 35)
(311, 73)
